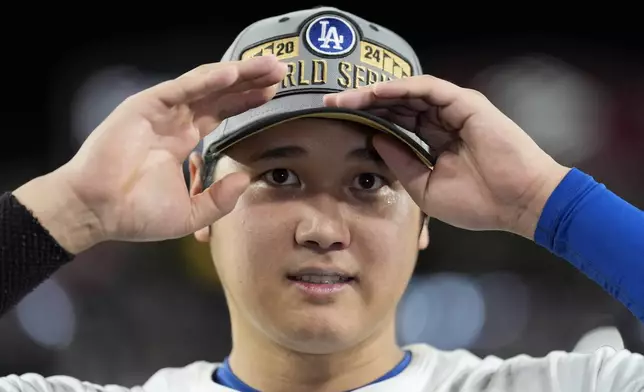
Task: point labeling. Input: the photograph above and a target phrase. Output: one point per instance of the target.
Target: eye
(368, 182)
(280, 177)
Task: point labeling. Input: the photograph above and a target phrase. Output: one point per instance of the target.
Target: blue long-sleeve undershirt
(599, 233)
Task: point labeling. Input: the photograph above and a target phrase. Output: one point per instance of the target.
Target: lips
(321, 276)
(321, 279)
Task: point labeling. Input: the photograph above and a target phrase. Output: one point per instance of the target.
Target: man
(314, 197)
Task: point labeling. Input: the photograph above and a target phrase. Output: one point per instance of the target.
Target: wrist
(530, 211)
(56, 207)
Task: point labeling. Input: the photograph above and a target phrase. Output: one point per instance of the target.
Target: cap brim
(291, 107)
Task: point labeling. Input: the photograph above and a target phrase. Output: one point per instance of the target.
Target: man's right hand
(126, 182)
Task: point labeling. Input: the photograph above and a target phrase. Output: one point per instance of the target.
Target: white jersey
(606, 370)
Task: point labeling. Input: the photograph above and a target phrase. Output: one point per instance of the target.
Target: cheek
(250, 243)
(389, 246)
(389, 251)
(392, 226)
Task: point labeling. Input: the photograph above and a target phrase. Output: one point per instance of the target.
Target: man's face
(320, 248)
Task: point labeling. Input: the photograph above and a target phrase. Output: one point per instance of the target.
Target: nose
(323, 226)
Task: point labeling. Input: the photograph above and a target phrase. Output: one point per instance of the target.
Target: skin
(327, 209)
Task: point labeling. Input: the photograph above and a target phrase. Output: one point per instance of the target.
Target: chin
(319, 333)
(318, 345)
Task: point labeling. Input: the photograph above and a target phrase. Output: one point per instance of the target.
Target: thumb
(410, 171)
(216, 201)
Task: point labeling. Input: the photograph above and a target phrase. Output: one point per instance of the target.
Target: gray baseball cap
(327, 50)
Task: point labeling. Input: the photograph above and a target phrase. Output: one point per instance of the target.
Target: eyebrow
(366, 154)
(285, 152)
(279, 153)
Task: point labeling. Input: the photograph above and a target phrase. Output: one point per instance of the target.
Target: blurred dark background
(122, 311)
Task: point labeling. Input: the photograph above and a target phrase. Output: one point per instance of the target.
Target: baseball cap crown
(326, 50)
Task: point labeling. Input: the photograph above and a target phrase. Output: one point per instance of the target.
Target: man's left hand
(490, 175)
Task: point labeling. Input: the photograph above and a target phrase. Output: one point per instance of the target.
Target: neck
(267, 366)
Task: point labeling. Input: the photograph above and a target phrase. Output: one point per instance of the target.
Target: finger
(266, 80)
(403, 106)
(250, 75)
(426, 121)
(216, 201)
(434, 135)
(211, 112)
(246, 72)
(352, 99)
(456, 104)
(210, 78)
(410, 171)
(357, 99)
(193, 167)
(400, 106)
(406, 111)
(432, 90)
(235, 104)
(407, 122)
(379, 112)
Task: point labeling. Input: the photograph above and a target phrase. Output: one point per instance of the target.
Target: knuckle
(204, 68)
(425, 78)
(475, 94)
(198, 70)
(135, 98)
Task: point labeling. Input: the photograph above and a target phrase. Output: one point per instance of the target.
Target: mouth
(321, 276)
(320, 281)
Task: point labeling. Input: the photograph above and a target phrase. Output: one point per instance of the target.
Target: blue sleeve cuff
(574, 186)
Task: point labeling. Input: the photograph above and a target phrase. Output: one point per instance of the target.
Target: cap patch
(330, 53)
(330, 36)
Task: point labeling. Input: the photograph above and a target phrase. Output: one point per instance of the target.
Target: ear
(423, 238)
(196, 166)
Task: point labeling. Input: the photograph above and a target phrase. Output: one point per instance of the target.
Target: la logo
(330, 36)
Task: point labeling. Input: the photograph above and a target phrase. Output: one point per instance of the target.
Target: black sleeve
(28, 253)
